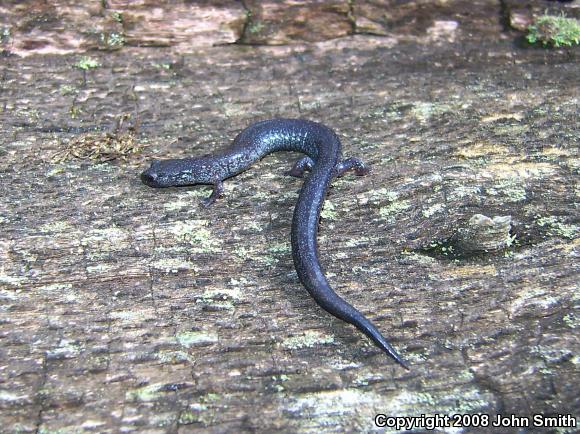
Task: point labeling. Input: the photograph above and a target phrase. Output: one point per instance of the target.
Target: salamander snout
(151, 176)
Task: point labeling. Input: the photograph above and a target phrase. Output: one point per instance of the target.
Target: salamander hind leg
(218, 191)
(360, 168)
(302, 165)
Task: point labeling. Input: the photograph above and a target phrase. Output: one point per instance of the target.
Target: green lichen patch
(223, 299)
(463, 191)
(511, 189)
(571, 320)
(279, 248)
(111, 40)
(197, 234)
(554, 31)
(5, 35)
(438, 248)
(56, 226)
(389, 211)
(256, 27)
(68, 89)
(556, 228)
(550, 354)
(190, 339)
(163, 65)
(117, 16)
(307, 340)
(173, 357)
(146, 393)
(381, 194)
(328, 211)
(87, 63)
(195, 413)
(424, 111)
(224, 293)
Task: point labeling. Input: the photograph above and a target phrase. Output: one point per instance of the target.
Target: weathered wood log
(127, 308)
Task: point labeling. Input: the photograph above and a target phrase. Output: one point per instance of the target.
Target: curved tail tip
(391, 352)
(402, 362)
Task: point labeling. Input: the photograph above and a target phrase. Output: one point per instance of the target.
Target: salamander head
(172, 173)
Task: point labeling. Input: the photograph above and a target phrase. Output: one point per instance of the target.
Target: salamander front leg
(302, 165)
(360, 169)
(218, 191)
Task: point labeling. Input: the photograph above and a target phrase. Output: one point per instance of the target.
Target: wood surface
(129, 309)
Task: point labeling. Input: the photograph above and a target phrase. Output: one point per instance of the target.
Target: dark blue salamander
(323, 158)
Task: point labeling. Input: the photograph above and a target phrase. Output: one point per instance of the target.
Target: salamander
(323, 158)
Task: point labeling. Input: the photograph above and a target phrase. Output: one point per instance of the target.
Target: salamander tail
(365, 326)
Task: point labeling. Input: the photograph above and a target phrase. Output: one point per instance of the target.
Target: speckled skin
(323, 157)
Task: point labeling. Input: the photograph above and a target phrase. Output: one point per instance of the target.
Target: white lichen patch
(335, 403)
(518, 169)
(66, 349)
(190, 339)
(222, 294)
(128, 317)
(502, 116)
(443, 29)
(469, 271)
(407, 403)
(432, 210)
(55, 287)
(330, 408)
(10, 398)
(355, 242)
(16, 281)
(421, 259)
(99, 268)
(172, 265)
(108, 236)
(307, 340)
(531, 298)
(6, 295)
(341, 364)
(555, 153)
(176, 205)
